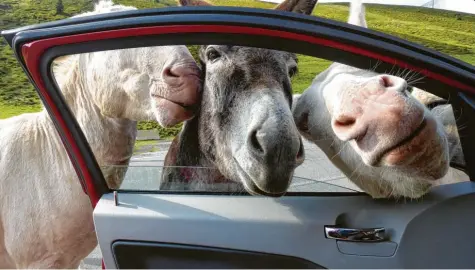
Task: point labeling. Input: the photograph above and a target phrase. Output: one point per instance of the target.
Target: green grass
(9, 110)
(146, 146)
(150, 145)
(447, 32)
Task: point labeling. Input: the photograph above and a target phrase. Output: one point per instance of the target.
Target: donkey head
(151, 83)
(144, 83)
(390, 143)
(245, 116)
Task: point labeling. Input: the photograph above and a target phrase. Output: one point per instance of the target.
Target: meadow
(448, 32)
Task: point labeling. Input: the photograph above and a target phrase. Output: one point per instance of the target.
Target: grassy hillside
(448, 32)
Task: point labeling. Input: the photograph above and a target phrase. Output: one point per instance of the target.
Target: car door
(140, 228)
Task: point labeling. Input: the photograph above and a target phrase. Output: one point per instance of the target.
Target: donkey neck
(194, 168)
(111, 139)
(189, 151)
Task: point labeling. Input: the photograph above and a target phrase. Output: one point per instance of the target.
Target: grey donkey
(244, 133)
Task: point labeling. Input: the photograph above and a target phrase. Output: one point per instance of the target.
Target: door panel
(428, 233)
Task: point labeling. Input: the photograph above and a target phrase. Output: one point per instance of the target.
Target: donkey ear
(357, 14)
(193, 3)
(297, 6)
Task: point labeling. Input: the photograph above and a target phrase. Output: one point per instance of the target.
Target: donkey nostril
(393, 83)
(303, 122)
(344, 121)
(168, 72)
(255, 142)
(386, 81)
(301, 153)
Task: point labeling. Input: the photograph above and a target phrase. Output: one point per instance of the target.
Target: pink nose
(392, 83)
(183, 81)
(373, 109)
(176, 71)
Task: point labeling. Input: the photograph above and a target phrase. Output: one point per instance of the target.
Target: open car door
(139, 228)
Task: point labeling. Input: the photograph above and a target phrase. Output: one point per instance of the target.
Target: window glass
(132, 103)
(258, 121)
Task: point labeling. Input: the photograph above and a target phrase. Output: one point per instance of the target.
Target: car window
(258, 121)
(334, 168)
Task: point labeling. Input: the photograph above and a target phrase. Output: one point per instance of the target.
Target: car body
(157, 229)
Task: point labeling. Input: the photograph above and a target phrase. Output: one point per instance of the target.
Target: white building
(465, 6)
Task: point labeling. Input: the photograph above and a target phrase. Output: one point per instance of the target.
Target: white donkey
(379, 135)
(45, 217)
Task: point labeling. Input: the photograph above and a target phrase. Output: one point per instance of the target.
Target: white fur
(347, 91)
(45, 217)
(357, 14)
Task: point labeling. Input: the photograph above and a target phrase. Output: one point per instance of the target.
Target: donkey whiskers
(411, 76)
(373, 69)
(461, 112)
(356, 170)
(461, 127)
(337, 154)
(415, 81)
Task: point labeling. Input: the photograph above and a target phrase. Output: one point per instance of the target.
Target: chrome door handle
(357, 235)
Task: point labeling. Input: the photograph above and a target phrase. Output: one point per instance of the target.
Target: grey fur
(244, 131)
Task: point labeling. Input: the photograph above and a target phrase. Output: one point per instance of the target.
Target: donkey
(443, 111)
(45, 217)
(378, 134)
(244, 130)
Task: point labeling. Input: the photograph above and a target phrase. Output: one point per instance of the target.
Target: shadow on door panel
(149, 255)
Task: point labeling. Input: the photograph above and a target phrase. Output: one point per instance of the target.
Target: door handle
(355, 235)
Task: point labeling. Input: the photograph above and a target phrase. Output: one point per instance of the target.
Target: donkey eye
(292, 71)
(212, 54)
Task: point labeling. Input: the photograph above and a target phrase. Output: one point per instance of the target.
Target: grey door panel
(433, 232)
